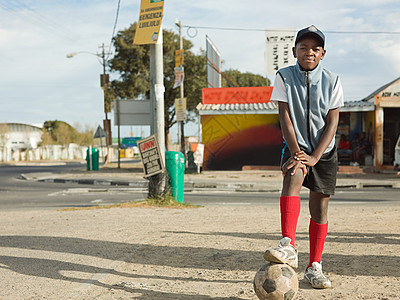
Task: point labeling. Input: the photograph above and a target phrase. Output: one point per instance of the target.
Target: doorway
(391, 131)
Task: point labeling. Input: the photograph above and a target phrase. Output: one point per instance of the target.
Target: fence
(49, 152)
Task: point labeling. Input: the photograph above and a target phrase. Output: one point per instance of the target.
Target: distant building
(378, 116)
(240, 126)
(15, 136)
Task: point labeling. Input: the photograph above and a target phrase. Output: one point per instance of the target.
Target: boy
(309, 98)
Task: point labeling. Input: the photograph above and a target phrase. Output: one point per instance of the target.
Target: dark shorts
(320, 178)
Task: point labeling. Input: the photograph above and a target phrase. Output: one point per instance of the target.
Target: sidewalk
(210, 252)
(131, 175)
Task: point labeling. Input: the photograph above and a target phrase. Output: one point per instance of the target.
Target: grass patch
(164, 202)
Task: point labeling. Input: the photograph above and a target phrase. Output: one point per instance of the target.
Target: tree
(243, 79)
(132, 63)
(61, 133)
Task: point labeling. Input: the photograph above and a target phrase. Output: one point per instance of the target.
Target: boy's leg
(290, 204)
(290, 210)
(318, 229)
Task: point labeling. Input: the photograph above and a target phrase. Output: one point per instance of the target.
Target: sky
(39, 83)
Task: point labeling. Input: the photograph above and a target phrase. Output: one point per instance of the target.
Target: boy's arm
(291, 141)
(287, 128)
(332, 120)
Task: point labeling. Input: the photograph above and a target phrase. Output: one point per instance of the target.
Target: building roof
(355, 106)
(232, 109)
(18, 127)
(270, 108)
(378, 91)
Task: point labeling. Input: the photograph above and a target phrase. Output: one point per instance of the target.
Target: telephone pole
(157, 182)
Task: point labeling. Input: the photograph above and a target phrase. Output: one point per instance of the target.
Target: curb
(102, 182)
(191, 186)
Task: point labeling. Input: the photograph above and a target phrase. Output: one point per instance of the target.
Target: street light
(104, 79)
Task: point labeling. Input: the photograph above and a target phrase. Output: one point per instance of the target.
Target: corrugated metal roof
(270, 108)
(357, 106)
(374, 93)
(242, 108)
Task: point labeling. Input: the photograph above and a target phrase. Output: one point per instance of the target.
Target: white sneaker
(315, 276)
(285, 253)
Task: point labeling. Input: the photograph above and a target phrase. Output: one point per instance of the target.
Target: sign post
(149, 25)
(149, 31)
(180, 109)
(150, 156)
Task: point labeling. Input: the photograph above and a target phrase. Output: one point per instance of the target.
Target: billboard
(213, 65)
(148, 27)
(132, 112)
(278, 49)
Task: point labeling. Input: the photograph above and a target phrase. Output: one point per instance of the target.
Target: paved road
(19, 194)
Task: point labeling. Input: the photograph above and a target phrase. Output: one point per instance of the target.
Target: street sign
(180, 109)
(129, 142)
(148, 27)
(99, 133)
(151, 156)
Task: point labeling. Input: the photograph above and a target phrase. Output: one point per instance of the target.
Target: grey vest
(309, 95)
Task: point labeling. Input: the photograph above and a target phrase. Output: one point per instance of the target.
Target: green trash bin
(95, 159)
(175, 165)
(92, 159)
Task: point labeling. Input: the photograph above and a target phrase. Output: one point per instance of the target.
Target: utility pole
(157, 91)
(104, 79)
(181, 91)
(157, 182)
(119, 134)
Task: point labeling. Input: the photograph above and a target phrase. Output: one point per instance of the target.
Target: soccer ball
(275, 282)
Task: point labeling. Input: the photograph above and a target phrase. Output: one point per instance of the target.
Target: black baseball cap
(311, 31)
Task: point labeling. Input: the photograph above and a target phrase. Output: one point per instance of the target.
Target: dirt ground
(197, 253)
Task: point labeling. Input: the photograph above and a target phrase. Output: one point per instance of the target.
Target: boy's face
(308, 53)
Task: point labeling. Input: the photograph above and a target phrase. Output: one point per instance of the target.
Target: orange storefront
(240, 127)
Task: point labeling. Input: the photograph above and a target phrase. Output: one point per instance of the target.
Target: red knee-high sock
(290, 210)
(317, 235)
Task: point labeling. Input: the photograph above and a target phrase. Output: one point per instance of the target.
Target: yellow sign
(180, 109)
(179, 57)
(148, 27)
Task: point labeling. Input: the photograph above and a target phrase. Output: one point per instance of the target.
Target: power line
(115, 25)
(286, 30)
(27, 13)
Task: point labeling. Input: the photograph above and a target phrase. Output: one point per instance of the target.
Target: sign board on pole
(133, 112)
(213, 65)
(179, 57)
(148, 27)
(179, 76)
(180, 109)
(278, 49)
(151, 156)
